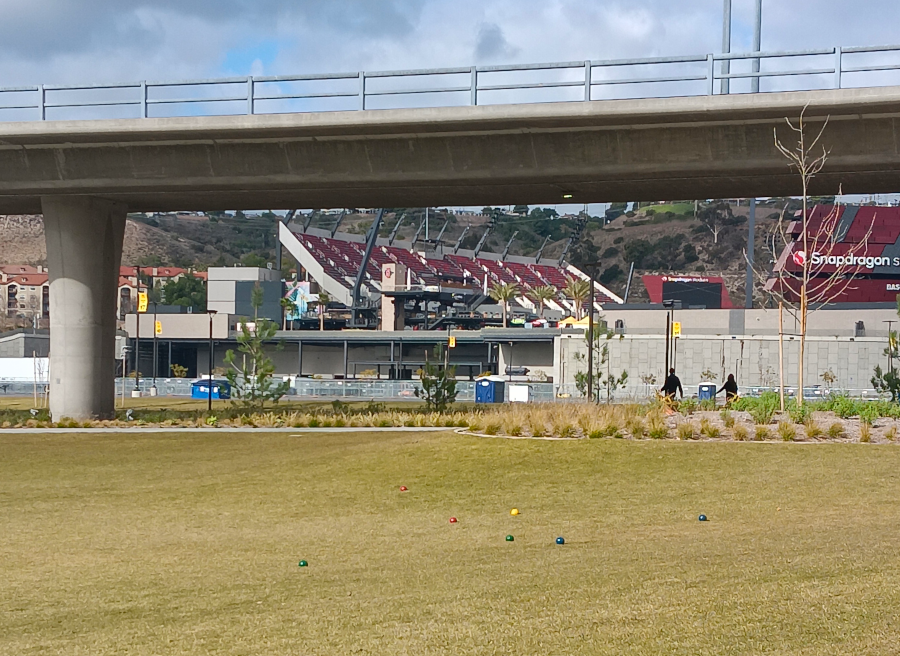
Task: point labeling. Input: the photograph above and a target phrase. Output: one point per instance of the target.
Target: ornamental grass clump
(685, 431)
(636, 427)
(813, 430)
(740, 433)
(787, 431)
(709, 429)
(761, 433)
(727, 417)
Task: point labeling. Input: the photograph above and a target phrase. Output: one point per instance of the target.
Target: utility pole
(726, 46)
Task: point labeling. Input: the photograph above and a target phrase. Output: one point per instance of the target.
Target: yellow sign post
(451, 342)
(158, 327)
(142, 302)
(676, 329)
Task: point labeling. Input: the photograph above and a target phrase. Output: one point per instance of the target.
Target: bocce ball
(509, 538)
(303, 563)
(560, 540)
(453, 520)
(403, 488)
(702, 518)
(514, 512)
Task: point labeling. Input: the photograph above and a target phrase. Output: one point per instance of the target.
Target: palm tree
(579, 291)
(503, 293)
(324, 300)
(287, 305)
(541, 295)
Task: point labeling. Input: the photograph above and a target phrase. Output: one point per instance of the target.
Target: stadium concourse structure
(854, 255)
(426, 285)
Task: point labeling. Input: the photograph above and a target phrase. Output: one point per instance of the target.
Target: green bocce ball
(509, 538)
(303, 563)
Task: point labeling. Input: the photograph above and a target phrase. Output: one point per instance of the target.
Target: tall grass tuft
(727, 417)
(636, 427)
(709, 429)
(813, 430)
(656, 427)
(761, 433)
(686, 431)
(865, 431)
(740, 433)
(836, 430)
(787, 431)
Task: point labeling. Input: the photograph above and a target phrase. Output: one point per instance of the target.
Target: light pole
(155, 353)
(890, 345)
(670, 316)
(590, 380)
(209, 388)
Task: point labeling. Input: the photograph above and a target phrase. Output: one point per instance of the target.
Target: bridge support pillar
(84, 249)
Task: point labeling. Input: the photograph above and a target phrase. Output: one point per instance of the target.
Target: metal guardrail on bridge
(475, 85)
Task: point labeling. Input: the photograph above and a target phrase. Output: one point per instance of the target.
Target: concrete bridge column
(84, 249)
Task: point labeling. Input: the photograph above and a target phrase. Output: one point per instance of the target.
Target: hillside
(657, 238)
(23, 243)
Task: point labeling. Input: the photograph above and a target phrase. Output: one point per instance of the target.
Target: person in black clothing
(731, 389)
(672, 385)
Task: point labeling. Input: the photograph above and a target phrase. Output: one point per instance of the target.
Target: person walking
(731, 389)
(672, 385)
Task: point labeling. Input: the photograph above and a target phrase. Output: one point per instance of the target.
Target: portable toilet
(220, 389)
(489, 389)
(707, 391)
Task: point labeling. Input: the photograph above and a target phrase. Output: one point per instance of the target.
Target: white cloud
(59, 41)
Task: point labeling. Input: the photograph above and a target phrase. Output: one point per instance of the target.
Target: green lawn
(189, 544)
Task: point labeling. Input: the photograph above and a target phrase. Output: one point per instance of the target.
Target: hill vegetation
(704, 238)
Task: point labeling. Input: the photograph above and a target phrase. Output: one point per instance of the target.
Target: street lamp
(153, 390)
(209, 388)
(890, 345)
(670, 316)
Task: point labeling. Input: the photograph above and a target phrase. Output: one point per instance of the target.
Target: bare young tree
(825, 263)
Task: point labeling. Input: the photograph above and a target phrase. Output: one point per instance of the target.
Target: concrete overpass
(85, 175)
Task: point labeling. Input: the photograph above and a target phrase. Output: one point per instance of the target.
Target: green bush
(799, 413)
(764, 408)
(687, 407)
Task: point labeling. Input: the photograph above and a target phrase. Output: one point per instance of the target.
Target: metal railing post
(42, 101)
(250, 95)
(710, 74)
(838, 66)
(587, 81)
(473, 97)
(144, 99)
(362, 89)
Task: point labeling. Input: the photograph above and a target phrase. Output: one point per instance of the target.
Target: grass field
(189, 544)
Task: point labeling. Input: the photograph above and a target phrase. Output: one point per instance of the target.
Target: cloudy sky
(77, 41)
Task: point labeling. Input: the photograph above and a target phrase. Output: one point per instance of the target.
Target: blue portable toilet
(220, 389)
(490, 389)
(707, 391)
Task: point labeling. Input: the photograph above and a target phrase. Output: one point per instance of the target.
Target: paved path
(210, 429)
